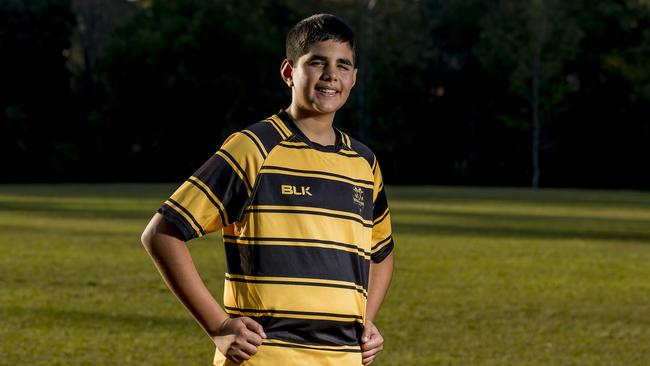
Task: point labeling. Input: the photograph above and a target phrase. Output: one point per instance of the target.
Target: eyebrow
(344, 61)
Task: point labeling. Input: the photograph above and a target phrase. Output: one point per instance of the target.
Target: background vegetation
(478, 92)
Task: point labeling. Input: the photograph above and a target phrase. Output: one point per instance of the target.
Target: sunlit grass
(483, 277)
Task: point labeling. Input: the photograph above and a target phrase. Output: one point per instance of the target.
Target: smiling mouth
(327, 92)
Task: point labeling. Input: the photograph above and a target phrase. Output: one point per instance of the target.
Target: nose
(329, 73)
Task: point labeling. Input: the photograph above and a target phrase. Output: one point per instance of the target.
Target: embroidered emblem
(357, 198)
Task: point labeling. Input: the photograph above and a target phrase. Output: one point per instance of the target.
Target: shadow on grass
(64, 231)
(93, 319)
(432, 230)
(64, 210)
(543, 197)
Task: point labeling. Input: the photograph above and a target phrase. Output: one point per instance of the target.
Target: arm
(236, 338)
(380, 276)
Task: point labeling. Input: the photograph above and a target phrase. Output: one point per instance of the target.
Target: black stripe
(362, 150)
(188, 214)
(266, 134)
(250, 136)
(383, 252)
(222, 180)
(241, 170)
(380, 205)
(316, 332)
(297, 240)
(316, 192)
(296, 261)
(308, 213)
(180, 223)
(294, 312)
(317, 172)
(382, 217)
(380, 243)
(279, 129)
(314, 348)
(297, 283)
(216, 205)
(374, 166)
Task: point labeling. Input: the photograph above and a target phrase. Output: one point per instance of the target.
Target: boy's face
(322, 78)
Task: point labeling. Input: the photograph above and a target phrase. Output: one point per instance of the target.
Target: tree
(532, 43)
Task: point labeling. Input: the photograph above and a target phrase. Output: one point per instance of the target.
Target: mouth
(327, 92)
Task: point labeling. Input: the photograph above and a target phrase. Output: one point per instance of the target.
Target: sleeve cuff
(382, 253)
(179, 222)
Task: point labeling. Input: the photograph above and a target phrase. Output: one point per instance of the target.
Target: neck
(317, 127)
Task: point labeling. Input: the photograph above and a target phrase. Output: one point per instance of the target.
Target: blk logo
(296, 191)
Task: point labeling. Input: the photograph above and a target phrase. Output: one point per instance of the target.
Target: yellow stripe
(284, 127)
(310, 159)
(316, 175)
(277, 355)
(187, 218)
(304, 244)
(295, 297)
(233, 165)
(258, 141)
(268, 120)
(296, 279)
(311, 209)
(214, 197)
(336, 229)
(351, 153)
(346, 139)
(294, 143)
(277, 341)
(292, 316)
(381, 246)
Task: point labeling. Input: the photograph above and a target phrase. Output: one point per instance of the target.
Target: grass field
(483, 277)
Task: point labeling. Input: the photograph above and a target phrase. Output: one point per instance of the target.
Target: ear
(286, 72)
(354, 76)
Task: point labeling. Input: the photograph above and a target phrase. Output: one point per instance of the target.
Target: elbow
(146, 238)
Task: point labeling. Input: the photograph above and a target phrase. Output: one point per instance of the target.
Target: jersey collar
(342, 140)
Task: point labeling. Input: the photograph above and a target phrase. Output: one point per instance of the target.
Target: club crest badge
(357, 198)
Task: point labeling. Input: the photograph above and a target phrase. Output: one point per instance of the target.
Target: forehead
(330, 49)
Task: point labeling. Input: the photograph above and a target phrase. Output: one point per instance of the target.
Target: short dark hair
(317, 28)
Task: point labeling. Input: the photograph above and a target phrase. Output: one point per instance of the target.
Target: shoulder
(259, 138)
(264, 134)
(363, 150)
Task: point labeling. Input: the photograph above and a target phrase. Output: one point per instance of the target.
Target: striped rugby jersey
(301, 223)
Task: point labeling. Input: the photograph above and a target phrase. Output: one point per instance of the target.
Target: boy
(305, 223)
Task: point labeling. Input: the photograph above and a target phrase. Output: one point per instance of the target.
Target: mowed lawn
(484, 276)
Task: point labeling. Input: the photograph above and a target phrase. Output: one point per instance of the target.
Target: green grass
(483, 277)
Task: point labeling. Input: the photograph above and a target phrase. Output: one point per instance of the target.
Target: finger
(254, 326)
(239, 355)
(252, 338)
(374, 342)
(371, 352)
(368, 361)
(246, 347)
(234, 359)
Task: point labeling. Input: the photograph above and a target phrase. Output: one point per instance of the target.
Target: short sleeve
(216, 194)
(382, 238)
